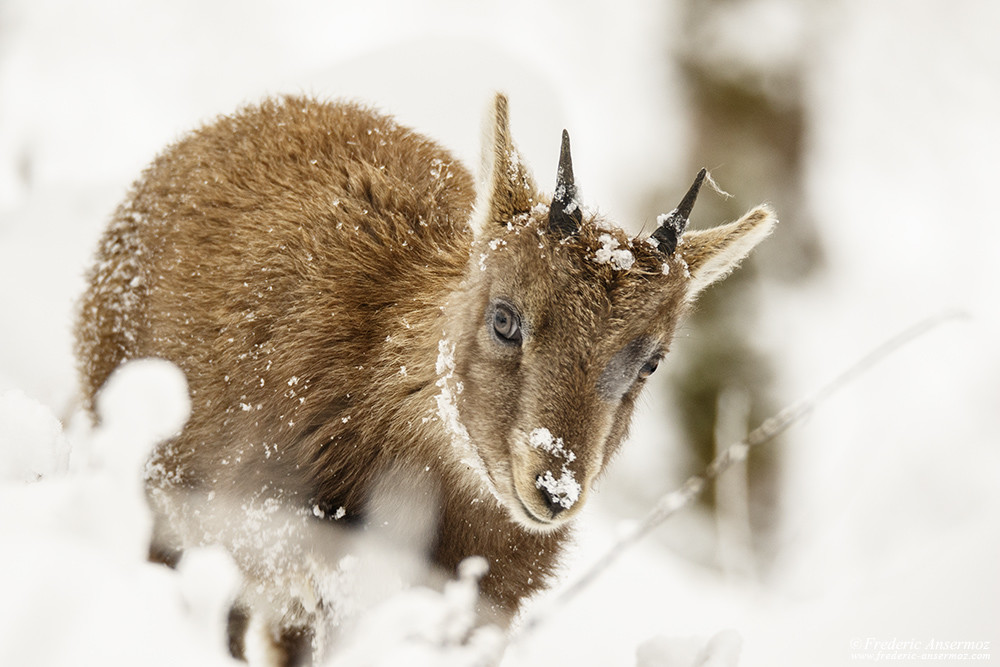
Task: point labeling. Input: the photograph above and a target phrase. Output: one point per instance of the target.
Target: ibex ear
(505, 186)
(711, 254)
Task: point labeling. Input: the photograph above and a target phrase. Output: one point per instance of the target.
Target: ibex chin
(346, 301)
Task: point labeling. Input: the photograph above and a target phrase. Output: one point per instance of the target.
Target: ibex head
(561, 320)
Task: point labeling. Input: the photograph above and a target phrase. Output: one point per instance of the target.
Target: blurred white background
(890, 510)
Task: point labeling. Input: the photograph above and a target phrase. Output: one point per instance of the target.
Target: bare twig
(672, 502)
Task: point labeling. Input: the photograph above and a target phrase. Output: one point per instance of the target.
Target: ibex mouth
(530, 518)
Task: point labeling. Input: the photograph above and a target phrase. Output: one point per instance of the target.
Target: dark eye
(506, 324)
(648, 368)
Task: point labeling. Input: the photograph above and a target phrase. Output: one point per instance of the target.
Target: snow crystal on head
(609, 253)
(564, 490)
(674, 222)
(562, 193)
(541, 438)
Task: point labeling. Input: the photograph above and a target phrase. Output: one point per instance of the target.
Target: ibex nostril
(552, 500)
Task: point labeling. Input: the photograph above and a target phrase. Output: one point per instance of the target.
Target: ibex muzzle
(347, 303)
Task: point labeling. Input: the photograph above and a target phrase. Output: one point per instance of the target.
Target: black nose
(552, 500)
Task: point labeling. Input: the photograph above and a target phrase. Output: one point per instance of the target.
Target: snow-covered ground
(892, 532)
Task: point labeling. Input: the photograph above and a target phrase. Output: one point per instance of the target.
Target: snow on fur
(610, 253)
(563, 489)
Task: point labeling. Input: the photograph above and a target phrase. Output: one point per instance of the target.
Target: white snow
(662, 219)
(32, 444)
(77, 588)
(447, 412)
(420, 627)
(722, 650)
(566, 490)
(542, 438)
(609, 253)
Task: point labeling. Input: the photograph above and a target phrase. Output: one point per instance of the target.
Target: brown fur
(311, 267)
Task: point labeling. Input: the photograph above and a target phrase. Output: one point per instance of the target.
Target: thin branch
(672, 502)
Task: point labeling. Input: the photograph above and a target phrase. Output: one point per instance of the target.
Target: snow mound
(147, 398)
(77, 587)
(32, 444)
(422, 627)
(722, 650)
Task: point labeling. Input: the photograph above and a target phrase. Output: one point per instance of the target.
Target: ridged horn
(673, 224)
(565, 215)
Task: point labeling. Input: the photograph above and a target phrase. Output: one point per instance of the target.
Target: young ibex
(345, 301)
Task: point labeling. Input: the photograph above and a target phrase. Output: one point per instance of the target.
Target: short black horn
(564, 213)
(673, 224)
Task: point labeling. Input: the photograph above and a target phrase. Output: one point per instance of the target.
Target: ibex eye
(648, 368)
(506, 324)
